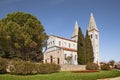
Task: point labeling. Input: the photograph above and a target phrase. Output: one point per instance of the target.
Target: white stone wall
(73, 67)
(70, 53)
(55, 48)
(94, 35)
(55, 41)
(55, 55)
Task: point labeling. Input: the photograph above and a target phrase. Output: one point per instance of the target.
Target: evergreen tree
(22, 35)
(81, 48)
(89, 49)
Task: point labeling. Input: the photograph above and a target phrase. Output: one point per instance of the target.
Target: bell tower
(94, 35)
(75, 32)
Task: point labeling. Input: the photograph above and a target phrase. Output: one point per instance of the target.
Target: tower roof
(75, 33)
(92, 23)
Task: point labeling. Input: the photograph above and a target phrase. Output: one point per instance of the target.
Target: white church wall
(71, 54)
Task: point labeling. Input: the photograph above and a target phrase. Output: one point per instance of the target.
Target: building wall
(56, 54)
(72, 54)
(73, 67)
(57, 47)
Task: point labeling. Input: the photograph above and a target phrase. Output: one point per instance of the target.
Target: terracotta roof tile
(69, 49)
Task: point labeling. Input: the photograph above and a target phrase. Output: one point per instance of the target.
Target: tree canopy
(22, 35)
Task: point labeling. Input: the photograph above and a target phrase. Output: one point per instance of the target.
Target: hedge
(92, 66)
(28, 68)
(3, 65)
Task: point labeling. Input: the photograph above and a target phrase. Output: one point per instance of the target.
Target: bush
(3, 65)
(92, 66)
(48, 68)
(105, 67)
(23, 68)
(27, 68)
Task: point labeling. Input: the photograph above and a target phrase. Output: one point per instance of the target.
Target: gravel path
(117, 78)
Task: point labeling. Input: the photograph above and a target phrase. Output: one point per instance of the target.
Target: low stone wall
(73, 67)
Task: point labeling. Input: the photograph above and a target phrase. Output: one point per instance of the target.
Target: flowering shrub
(85, 71)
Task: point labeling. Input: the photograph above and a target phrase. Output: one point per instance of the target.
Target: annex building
(62, 51)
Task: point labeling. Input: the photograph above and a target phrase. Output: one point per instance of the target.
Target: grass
(63, 76)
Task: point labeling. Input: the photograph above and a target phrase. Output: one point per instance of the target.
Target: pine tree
(89, 49)
(81, 48)
(23, 36)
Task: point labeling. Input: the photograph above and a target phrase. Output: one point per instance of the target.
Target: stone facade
(73, 67)
(58, 49)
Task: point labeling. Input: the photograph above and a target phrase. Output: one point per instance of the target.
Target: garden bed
(85, 71)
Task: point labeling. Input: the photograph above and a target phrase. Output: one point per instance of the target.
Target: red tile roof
(69, 49)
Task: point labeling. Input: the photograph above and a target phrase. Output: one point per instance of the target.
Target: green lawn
(63, 76)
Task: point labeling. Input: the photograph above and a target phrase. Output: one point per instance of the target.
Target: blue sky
(59, 16)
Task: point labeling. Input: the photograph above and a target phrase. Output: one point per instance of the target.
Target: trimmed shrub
(3, 65)
(27, 68)
(48, 68)
(23, 68)
(105, 67)
(92, 66)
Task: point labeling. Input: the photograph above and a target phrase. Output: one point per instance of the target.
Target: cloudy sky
(59, 16)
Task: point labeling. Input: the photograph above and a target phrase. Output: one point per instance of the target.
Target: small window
(58, 61)
(45, 61)
(96, 36)
(59, 43)
(53, 42)
(75, 57)
(65, 44)
(91, 36)
(65, 56)
(51, 59)
(73, 45)
(69, 45)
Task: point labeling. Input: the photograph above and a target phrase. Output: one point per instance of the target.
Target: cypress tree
(81, 48)
(89, 49)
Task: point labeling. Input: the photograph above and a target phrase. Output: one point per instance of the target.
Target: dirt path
(117, 78)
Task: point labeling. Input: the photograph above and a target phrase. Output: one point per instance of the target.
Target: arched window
(59, 43)
(96, 36)
(91, 36)
(75, 57)
(69, 45)
(45, 61)
(65, 55)
(51, 59)
(58, 61)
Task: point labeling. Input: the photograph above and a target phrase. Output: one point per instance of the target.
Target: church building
(62, 51)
